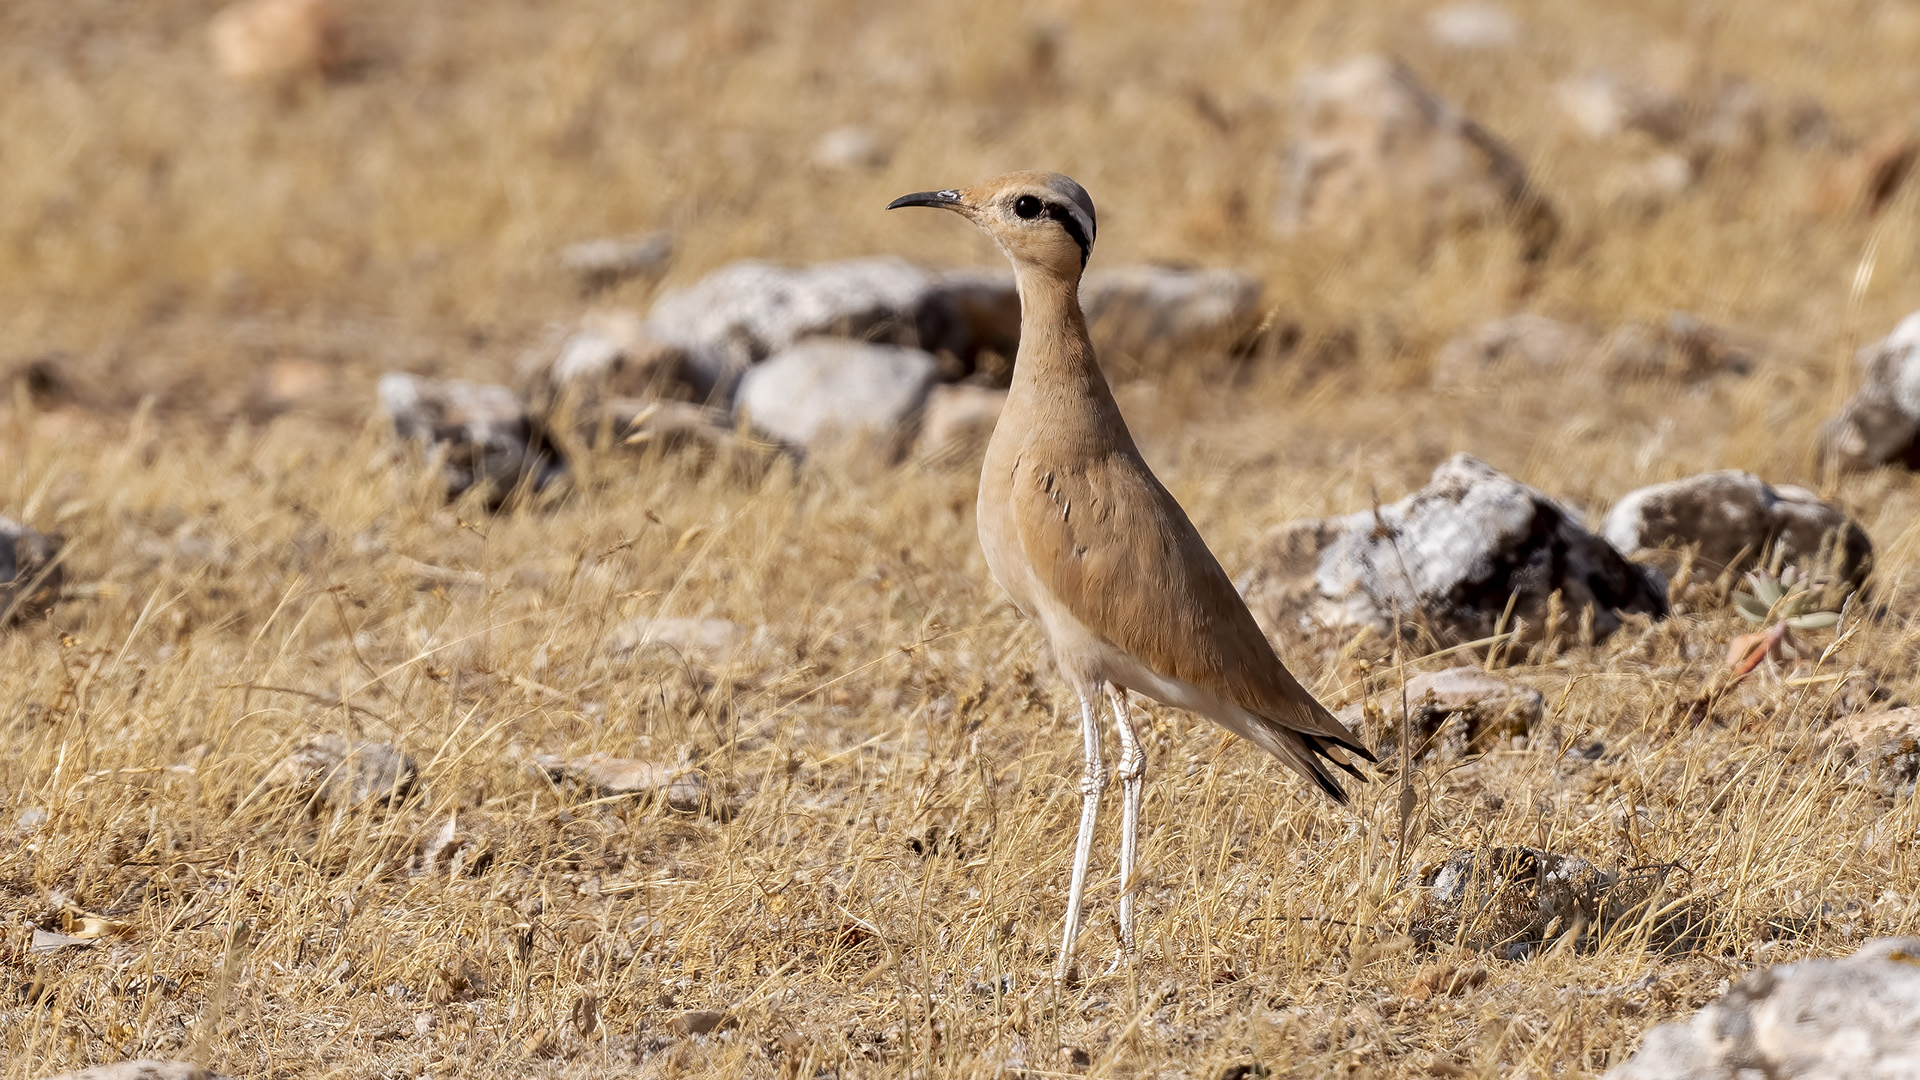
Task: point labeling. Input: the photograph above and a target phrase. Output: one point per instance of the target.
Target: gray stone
(1471, 549)
(747, 311)
(1856, 1018)
(971, 320)
(957, 423)
(680, 787)
(1880, 424)
(823, 393)
(31, 573)
(710, 639)
(1680, 347)
(611, 357)
(142, 1069)
(744, 312)
(1511, 900)
(1881, 749)
(1735, 520)
(1668, 96)
(1532, 344)
(485, 432)
(338, 772)
(1455, 711)
(602, 264)
(1372, 145)
(1155, 311)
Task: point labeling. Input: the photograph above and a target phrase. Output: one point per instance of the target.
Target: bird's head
(1040, 219)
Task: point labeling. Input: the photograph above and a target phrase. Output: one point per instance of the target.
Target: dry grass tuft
(873, 883)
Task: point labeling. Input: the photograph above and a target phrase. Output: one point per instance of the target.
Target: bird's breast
(999, 536)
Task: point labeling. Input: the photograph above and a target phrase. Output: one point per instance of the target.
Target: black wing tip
(1319, 763)
(1346, 742)
(1318, 766)
(1329, 785)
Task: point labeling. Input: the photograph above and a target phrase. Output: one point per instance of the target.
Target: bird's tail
(1309, 752)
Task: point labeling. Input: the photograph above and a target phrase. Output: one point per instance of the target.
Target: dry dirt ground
(876, 887)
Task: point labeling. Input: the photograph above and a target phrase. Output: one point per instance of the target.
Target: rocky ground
(487, 577)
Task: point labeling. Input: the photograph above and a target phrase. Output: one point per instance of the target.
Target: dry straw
(896, 765)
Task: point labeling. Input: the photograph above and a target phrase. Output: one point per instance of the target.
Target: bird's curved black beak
(948, 199)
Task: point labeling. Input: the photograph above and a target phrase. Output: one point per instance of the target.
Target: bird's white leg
(1091, 781)
(1132, 773)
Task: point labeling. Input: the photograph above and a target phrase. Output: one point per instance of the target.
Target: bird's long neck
(1056, 371)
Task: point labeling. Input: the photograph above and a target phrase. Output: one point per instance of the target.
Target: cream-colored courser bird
(1087, 541)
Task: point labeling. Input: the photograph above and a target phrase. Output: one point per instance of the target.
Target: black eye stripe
(1071, 223)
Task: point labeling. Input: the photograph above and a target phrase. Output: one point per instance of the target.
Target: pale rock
(142, 1069)
(1530, 346)
(1735, 520)
(746, 311)
(1680, 347)
(681, 788)
(613, 354)
(711, 639)
(1856, 1018)
(1522, 346)
(1513, 900)
(338, 772)
(270, 40)
(957, 423)
(1669, 97)
(1880, 424)
(1456, 556)
(1455, 711)
(1473, 26)
(1169, 311)
(602, 264)
(824, 393)
(31, 571)
(1882, 749)
(1372, 146)
(488, 437)
(970, 317)
(852, 149)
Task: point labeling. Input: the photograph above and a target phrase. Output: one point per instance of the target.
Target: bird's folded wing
(1113, 546)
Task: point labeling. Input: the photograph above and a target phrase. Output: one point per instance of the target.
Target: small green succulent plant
(1787, 597)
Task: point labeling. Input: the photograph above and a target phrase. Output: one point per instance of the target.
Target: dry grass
(885, 898)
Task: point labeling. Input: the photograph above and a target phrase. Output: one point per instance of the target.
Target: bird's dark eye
(1027, 207)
